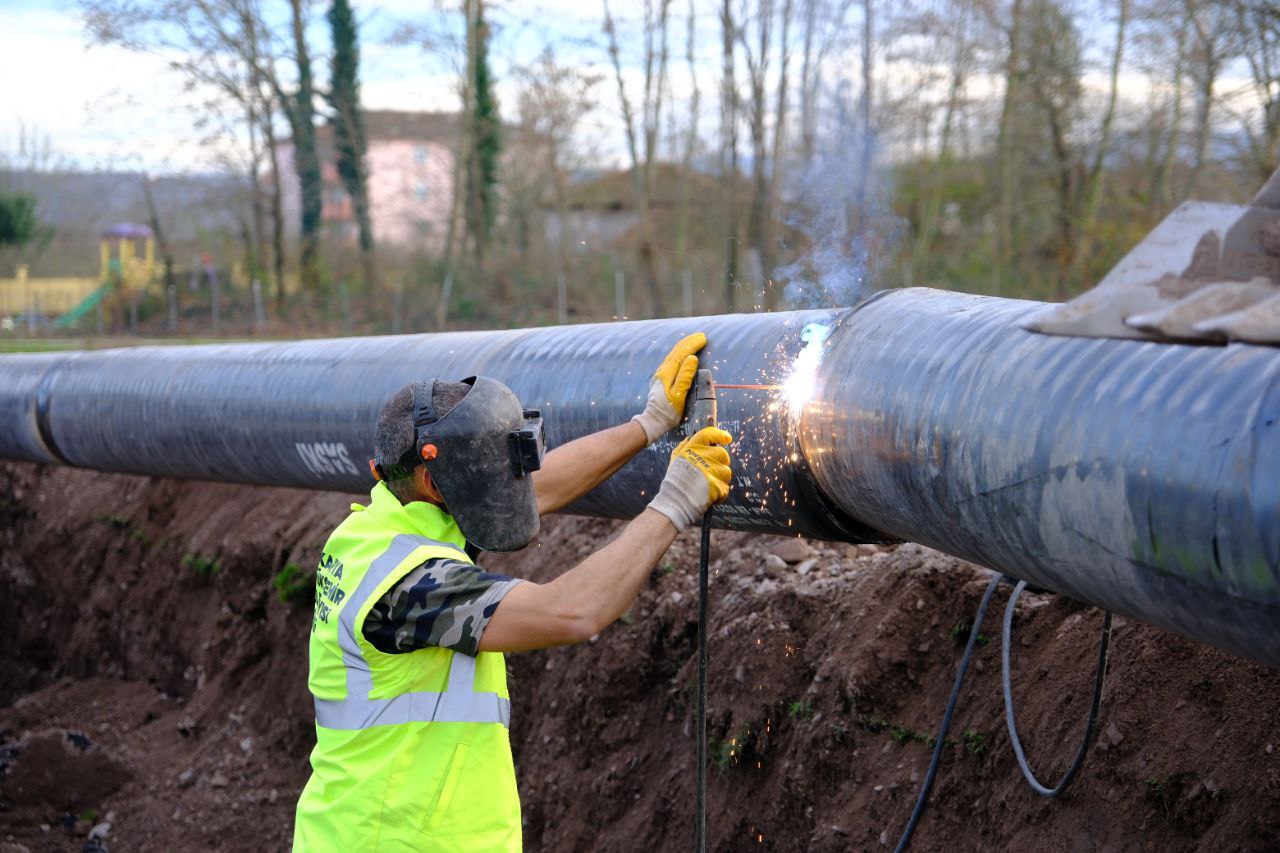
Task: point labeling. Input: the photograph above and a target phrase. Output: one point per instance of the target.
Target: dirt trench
(153, 693)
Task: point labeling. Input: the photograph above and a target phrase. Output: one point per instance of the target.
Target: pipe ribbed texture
(1141, 477)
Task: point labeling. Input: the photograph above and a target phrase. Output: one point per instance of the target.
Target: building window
(420, 155)
(420, 190)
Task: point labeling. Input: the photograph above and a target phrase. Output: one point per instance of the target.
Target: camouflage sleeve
(442, 602)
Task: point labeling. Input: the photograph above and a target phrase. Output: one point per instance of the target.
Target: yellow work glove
(697, 477)
(669, 387)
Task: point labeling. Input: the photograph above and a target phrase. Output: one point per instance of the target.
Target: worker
(406, 665)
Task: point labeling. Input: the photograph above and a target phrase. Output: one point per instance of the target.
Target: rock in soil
(791, 549)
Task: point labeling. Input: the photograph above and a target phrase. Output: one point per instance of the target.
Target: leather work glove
(697, 477)
(669, 387)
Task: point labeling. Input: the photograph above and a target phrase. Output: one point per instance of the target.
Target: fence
(45, 295)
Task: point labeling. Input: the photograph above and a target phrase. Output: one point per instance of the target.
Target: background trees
(740, 148)
(348, 126)
(18, 223)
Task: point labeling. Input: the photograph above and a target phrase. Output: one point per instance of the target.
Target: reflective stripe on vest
(459, 703)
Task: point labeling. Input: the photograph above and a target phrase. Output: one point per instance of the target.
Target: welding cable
(946, 717)
(1006, 684)
(700, 796)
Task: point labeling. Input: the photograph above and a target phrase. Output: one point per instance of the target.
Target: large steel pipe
(302, 413)
(22, 391)
(1141, 477)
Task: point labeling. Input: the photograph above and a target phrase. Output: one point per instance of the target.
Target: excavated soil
(153, 693)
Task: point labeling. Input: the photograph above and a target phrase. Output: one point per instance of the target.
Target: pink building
(410, 158)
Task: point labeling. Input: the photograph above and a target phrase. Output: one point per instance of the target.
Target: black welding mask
(482, 454)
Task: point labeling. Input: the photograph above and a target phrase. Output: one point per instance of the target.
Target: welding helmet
(481, 455)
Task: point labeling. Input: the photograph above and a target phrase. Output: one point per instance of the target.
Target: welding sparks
(800, 384)
(798, 387)
(778, 413)
(801, 381)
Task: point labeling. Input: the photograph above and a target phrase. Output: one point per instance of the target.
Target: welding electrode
(700, 412)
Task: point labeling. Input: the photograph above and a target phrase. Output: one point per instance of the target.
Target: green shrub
(960, 634)
(203, 566)
(799, 710)
(293, 585)
(117, 522)
(975, 742)
(726, 753)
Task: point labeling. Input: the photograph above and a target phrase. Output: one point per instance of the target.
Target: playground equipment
(123, 274)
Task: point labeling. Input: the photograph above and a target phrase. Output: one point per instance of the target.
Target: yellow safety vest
(412, 750)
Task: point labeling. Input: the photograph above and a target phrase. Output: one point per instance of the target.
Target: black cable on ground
(1103, 647)
(946, 717)
(1005, 680)
(700, 804)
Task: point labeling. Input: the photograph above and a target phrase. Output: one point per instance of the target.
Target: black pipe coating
(1142, 477)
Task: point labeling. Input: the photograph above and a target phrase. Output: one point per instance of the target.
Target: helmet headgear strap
(421, 450)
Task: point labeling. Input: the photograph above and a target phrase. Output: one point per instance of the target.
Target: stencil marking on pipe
(326, 457)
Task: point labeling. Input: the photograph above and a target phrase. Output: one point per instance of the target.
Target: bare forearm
(573, 469)
(585, 599)
(609, 580)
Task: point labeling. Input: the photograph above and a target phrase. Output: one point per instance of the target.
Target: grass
(726, 753)
(18, 345)
(799, 710)
(666, 569)
(975, 742)
(117, 522)
(202, 565)
(897, 731)
(37, 345)
(960, 634)
(1159, 793)
(293, 585)
(901, 733)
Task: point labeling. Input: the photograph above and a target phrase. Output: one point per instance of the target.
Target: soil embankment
(153, 678)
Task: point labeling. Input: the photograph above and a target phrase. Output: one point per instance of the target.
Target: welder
(406, 657)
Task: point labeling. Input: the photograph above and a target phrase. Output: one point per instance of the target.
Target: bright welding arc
(799, 385)
(802, 379)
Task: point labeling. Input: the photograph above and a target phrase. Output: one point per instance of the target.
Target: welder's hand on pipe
(697, 477)
(669, 387)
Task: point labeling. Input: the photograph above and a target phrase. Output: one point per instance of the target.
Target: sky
(91, 103)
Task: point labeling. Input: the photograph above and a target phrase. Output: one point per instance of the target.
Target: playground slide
(69, 319)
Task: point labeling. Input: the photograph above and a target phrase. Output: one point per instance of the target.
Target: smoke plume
(840, 202)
